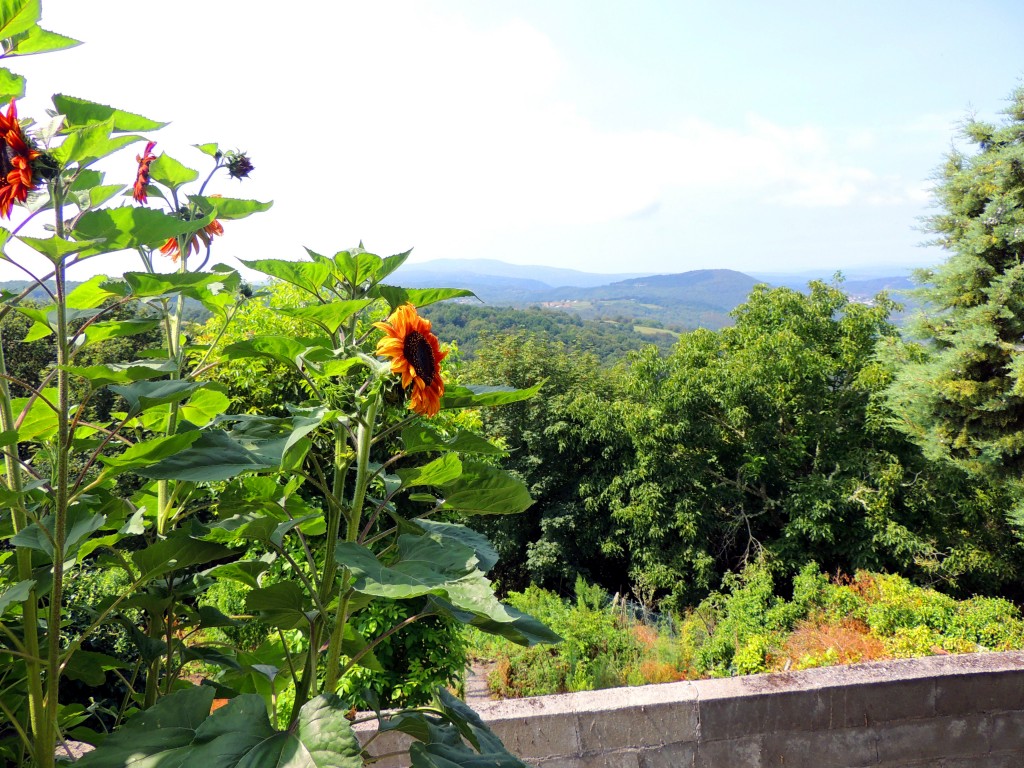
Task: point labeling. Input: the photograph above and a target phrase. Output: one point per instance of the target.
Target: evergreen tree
(958, 388)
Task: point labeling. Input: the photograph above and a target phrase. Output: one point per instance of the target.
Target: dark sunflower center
(6, 156)
(417, 351)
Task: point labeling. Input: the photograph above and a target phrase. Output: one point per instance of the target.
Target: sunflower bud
(238, 164)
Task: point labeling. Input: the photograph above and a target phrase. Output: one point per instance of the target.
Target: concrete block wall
(964, 711)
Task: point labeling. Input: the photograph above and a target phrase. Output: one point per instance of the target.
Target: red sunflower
(16, 156)
(206, 235)
(142, 177)
(416, 354)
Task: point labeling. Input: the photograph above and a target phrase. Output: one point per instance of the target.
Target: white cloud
(401, 125)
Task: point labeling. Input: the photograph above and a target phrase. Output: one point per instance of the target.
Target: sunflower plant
(353, 497)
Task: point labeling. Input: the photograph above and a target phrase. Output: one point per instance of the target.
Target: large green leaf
(195, 285)
(486, 490)
(418, 297)
(330, 316)
(310, 276)
(479, 396)
(79, 523)
(115, 329)
(180, 731)
(439, 472)
(169, 172)
(83, 112)
(12, 86)
(475, 540)
(440, 739)
(294, 353)
(89, 294)
(38, 40)
(86, 144)
(143, 395)
(17, 16)
(56, 248)
(230, 208)
(179, 550)
(145, 453)
(204, 406)
(487, 614)
(423, 437)
(14, 594)
(214, 456)
(122, 373)
(283, 605)
(91, 667)
(131, 227)
(425, 566)
(244, 571)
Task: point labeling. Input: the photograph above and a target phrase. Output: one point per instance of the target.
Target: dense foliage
(770, 437)
(958, 387)
(745, 628)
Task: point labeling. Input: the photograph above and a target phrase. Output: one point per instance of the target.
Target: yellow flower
(416, 354)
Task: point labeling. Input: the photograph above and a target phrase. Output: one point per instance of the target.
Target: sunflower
(206, 235)
(416, 354)
(16, 156)
(142, 177)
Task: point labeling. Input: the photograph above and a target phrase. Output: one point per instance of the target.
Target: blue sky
(613, 137)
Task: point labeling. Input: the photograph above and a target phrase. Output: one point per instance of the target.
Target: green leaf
(87, 144)
(79, 524)
(473, 607)
(439, 472)
(423, 437)
(122, 373)
(426, 566)
(177, 551)
(309, 276)
(195, 285)
(115, 329)
(486, 490)
(38, 40)
(169, 172)
(16, 593)
(230, 208)
(144, 454)
(82, 112)
(91, 667)
(418, 297)
(297, 354)
(479, 396)
(244, 571)
(204, 406)
(130, 227)
(90, 294)
(143, 395)
(12, 86)
(475, 540)
(8, 437)
(18, 16)
(210, 149)
(330, 316)
(283, 605)
(56, 248)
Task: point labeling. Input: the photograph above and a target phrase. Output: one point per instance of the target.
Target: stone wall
(963, 711)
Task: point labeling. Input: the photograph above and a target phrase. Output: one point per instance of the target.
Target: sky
(649, 136)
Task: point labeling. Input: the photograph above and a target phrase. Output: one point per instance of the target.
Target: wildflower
(16, 156)
(142, 178)
(416, 354)
(238, 164)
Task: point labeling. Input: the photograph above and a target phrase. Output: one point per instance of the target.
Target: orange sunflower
(16, 156)
(206, 235)
(416, 354)
(142, 177)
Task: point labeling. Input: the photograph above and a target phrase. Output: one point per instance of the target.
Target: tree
(767, 437)
(958, 388)
(564, 444)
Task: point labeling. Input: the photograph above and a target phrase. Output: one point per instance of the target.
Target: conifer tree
(958, 388)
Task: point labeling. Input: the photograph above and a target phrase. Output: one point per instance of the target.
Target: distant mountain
(551, 277)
